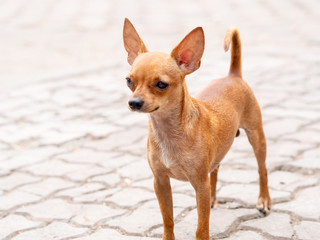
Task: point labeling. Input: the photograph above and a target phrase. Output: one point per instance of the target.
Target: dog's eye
(162, 85)
(129, 82)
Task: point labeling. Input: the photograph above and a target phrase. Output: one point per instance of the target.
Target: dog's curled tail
(232, 35)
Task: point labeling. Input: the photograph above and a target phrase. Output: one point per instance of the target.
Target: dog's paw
(264, 205)
(168, 236)
(213, 202)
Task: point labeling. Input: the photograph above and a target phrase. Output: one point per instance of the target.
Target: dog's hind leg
(258, 142)
(213, 183)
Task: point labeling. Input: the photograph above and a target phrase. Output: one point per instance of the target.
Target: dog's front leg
(202, 188)
(162, 188)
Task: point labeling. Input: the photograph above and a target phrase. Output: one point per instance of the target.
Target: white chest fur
(167, 151)
(166, 157)
(168, 137)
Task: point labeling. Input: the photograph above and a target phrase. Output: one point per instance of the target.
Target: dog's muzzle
(136, 103)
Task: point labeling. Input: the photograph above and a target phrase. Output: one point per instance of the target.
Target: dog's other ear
(189, 51)
(132, 42)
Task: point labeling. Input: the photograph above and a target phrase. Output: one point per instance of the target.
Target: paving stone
(307, 230)
(176, 186)
(50, 210)
(314, 126)
(13, 133)
(272, 162)
(3, 146)
(81, 190)
(267, 99)
(53, 137)
(307, 136)
(118, 112)
(248, 194)
(90, 214)
(115, 235)
(55, 230)
(104, 144)
(237, 175)
(111, 179)
(66, 96)
(14, 103)
(93, 128)
(184, 187)
(298, 102)
(69, 113)
(293, 114)
(287, 181)
(56, 168)
(13, 223)
(136, 170)
(245, 235)
(137, 147)
(146, 184)
(96, 196)
(235, 158)
(134, 120)
(16, 179)
(28, 157)
(142, 219)
(42, 116)
(119, 139)
(222, 222)
(303, 204)
(6, 154)
(118, 161)
(183, 200)
(308, 160)
(241, 144)
(280, 127)
(32, 109)
(131, 196)
(267, 224)
(87, 156)
(288, 148)
(15, 198)
(46, 186)
(305, 163)
(138, 150)
(87, 174)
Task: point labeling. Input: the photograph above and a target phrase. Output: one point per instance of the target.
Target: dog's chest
(169, 141)
(172, 158)
(166, 141)
(167, 155)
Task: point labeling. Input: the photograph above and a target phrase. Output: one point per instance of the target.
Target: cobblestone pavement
(72, 157)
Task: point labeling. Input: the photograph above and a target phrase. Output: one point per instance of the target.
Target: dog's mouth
(154, 110)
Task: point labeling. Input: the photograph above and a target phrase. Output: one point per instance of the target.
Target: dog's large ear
(132, 42)
(189, 51)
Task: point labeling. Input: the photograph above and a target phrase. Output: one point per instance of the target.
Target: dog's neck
(175, 121)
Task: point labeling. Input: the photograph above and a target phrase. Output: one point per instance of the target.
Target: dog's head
(156, 79)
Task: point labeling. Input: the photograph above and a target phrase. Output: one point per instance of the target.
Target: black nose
(136, 103)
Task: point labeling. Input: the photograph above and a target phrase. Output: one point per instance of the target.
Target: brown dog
(189, 137)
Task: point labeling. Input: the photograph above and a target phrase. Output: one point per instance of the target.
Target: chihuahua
(188, 137)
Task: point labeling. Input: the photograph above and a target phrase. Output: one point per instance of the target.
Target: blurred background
(41, 39)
